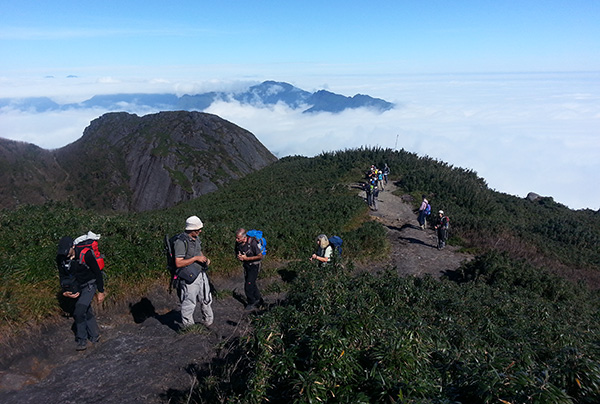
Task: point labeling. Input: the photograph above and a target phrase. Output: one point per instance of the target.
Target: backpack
(84, 246)
(170, 254)
(336, 244)
(68, 282)
(445, 222)
(428, 210)
(262, 242)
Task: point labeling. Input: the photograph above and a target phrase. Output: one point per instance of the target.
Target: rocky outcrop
(124, 162)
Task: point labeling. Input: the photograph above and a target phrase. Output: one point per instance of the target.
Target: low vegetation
(504, 329)
(501, 334)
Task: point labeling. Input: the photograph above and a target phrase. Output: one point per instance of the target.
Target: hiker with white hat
(192, 265)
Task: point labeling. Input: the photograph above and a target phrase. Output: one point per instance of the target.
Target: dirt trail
(413, 251)
(143, 359)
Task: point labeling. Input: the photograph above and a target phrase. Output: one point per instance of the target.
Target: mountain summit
(261, 95)
(124, 162)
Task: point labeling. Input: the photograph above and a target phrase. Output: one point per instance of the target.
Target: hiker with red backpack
(250, 253)
(82, 260)
(443, 223)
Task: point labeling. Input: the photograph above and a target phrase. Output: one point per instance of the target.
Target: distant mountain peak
(261, 95)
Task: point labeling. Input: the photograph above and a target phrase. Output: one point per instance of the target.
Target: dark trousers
(422, 217)
(250, 287)
(85, 321)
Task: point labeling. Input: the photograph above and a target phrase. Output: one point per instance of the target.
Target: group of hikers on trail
(376, 180)
(442, 222)
(80, 266)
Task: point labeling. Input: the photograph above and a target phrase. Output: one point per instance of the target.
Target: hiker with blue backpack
(249, 251)
(191, 264)
(326, 246)
(424, 212)
(324, 250)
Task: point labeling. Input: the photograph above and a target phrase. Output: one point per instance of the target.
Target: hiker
(374, 194)
(386, 172)
(369, 192)
(380, 180)
(443, 222)
(324, 250)
(249, 253)
(423, 213)
(192, 265)
(88, 280)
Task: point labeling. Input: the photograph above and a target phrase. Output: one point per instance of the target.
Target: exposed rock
(128, 163)
(532, 197)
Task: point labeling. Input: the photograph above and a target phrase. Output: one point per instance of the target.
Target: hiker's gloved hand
(71, 295)
(101, 297)
(202, 259)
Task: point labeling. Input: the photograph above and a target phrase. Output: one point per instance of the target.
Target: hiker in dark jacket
(443, 222)
(386, 173)
(192, 263)
(89, 278)
(248, 252)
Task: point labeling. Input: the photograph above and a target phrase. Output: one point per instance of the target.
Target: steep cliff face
(28, 175)
(128, 163)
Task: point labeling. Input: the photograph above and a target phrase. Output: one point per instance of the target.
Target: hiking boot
(81, 346)
(95, 340)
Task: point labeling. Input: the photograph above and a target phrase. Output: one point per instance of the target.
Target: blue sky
(510, 89)
(110, 37)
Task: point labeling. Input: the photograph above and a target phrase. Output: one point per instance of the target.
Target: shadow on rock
(214, 382)
(413, 240)
(287, 275)
(454, 275)
(239, 297)
(144, 309)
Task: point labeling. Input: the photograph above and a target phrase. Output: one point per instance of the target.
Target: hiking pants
(196, 292)
(442, 236)
(250, 287)
(422, 217)
(85, 321)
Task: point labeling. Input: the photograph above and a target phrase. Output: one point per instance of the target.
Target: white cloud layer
(520, 132)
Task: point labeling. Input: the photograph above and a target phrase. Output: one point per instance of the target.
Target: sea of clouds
(520, 132)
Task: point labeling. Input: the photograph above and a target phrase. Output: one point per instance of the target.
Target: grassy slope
(508, 326)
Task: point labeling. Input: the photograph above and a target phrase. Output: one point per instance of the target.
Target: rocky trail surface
(142, 358)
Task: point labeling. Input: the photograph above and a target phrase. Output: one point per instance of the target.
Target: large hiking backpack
(336, 243)
(170, 254)
(445, 222)
(262, 242)
(84, 246)
(68, 282)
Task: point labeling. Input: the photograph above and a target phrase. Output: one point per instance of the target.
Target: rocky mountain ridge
(267, 93)
(124, 162)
